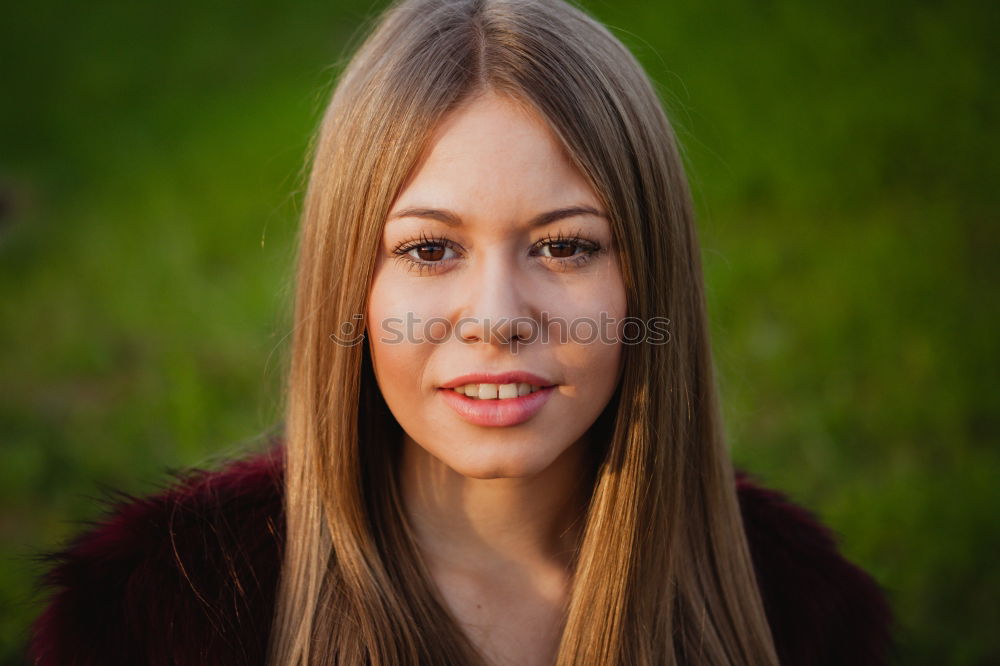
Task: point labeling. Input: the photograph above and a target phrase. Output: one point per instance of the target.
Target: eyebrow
(453, 220)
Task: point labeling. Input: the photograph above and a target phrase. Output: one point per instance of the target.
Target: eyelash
(590, 249)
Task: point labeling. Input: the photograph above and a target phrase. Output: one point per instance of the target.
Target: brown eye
(430, 252)
(426, 255)
(561, 249)
(566, 251)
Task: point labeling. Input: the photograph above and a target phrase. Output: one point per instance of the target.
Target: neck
(490, 525)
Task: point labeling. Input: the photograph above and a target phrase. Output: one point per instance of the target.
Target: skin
(496, 510)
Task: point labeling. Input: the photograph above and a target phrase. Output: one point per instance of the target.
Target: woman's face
(496, 273)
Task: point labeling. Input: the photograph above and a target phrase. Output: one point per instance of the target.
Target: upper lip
(512, 377)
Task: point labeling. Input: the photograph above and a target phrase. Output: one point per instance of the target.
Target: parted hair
(662, 572)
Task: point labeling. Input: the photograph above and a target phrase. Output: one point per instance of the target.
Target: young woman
(502, 441)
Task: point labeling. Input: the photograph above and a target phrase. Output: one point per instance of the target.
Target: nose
(496, 307)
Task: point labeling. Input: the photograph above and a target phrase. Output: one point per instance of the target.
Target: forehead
(495, 153)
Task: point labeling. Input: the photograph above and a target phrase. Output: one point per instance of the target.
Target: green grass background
(844, 157)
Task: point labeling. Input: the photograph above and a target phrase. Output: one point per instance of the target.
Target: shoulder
(822, 608)
(184, 576)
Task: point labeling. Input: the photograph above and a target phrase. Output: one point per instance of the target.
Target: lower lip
(505, 412)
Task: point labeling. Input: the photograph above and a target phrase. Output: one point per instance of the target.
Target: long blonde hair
(662, 573)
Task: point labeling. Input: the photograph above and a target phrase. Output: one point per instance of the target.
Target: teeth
(496, 391)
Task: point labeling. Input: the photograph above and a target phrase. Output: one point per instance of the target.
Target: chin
(505, 464)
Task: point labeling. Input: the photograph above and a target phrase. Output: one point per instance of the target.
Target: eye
(560, 249)
(425, 253)
(428, 254)
(566, 251)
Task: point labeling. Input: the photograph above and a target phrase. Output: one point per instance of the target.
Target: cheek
(595, 347)
(588, 313)
(397, 365)
(612, 290)
(399, 361)
(599, 290)
(398, 296)
(591, 368)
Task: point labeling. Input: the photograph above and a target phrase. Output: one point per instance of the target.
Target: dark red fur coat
(188, 576)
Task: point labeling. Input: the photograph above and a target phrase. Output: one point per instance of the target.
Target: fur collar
(188, 576)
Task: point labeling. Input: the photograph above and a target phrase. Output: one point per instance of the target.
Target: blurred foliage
(844, 158)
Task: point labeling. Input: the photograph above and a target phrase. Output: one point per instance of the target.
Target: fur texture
(188, 576)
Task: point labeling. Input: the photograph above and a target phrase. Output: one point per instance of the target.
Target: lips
(495, 391)
(511, 377)
(497, 412)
